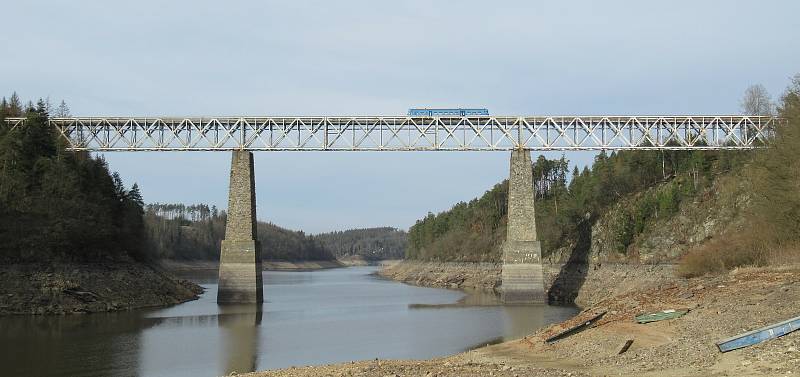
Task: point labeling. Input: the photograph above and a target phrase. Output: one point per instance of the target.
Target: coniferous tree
(135, 196)
(776, 178)
(57, 204)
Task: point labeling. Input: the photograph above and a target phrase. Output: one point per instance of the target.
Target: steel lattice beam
(400, 133)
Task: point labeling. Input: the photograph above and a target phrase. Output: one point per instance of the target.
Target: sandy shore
(721, 306)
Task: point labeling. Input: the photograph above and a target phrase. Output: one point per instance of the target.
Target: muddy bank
(720, 307)
(67, 288)
(183, 266)
(566, 283)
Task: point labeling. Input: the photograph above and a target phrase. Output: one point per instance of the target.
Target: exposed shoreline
(721, 306)
(76, 288)
(275, 265)
(567, 283)
(182, 266)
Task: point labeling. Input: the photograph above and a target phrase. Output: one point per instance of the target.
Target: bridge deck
(402, 133)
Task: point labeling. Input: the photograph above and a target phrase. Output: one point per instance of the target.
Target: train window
(448, 112)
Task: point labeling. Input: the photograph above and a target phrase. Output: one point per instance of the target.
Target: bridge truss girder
(400, 133)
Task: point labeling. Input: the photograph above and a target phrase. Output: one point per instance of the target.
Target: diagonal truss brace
(401, 133)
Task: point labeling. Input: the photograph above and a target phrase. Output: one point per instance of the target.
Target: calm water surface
(309, 318)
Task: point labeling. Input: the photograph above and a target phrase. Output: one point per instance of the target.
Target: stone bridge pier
(240, 278)
(522, 273)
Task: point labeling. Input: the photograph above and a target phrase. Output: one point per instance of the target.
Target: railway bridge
(522, 275)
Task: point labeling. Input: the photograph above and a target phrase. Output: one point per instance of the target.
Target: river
(310, 318)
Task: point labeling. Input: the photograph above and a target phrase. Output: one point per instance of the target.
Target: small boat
(759, 335)
(575, 329)
(662, 315)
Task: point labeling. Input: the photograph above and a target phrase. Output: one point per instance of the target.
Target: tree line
(195, 232)
(370, 243)
(193, 212)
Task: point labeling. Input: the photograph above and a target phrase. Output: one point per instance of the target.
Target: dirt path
(721, 307)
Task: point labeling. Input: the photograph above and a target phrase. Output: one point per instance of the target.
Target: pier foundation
(522, 273)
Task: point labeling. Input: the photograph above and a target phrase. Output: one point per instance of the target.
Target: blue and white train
(447, 112)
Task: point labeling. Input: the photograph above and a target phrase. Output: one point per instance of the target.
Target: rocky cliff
(633, 230)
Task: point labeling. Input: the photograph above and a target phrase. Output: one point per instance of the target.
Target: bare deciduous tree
(62, 111)
(756, 101)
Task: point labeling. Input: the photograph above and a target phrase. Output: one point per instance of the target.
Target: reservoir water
(310, 318)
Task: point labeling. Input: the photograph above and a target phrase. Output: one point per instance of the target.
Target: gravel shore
(720, 307)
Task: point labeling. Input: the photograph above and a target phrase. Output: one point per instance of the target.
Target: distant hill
(370, 243)
(194, 232)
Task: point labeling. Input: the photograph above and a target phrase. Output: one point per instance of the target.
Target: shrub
(625, 232)
(722, 254)
(645, 209)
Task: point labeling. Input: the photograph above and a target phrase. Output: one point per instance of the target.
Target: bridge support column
(522, 273)
(240, 259)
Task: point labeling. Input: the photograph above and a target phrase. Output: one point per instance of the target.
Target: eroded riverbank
(72, 288)
(566, 283)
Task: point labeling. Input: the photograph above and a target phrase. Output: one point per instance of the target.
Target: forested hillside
(370, 244)
(56, 205)
(654, 185)
(177, 231)
(194, 232)
(474, 231)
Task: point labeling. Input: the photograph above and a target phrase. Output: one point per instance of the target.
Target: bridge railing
(401, 133)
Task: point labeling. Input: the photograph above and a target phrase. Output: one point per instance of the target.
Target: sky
(213, 58)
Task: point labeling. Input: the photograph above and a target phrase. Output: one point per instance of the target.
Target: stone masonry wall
(522, 272)
(241, 225)
(240, 279)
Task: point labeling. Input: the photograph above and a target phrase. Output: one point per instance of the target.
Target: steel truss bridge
(404, 133)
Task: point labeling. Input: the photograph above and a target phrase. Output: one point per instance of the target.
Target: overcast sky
(184, 58)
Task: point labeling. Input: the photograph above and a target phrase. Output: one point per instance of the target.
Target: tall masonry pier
(240, 259)
(522, 275)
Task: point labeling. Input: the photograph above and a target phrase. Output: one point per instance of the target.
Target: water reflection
(310, 318)
(238, 325)
(519, 319)
(516, 321)
(101, 344)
